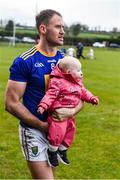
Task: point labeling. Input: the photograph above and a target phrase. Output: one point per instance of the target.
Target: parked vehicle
(98, 44)
(11, 39)
(28, 40)
(114, 45)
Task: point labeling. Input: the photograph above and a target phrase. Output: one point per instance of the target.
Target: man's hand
(62, 114)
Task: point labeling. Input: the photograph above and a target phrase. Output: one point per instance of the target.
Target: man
(29, 75)
(79, 50)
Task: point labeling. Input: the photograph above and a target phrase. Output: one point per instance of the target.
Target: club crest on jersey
(34, 150)
(38, 64)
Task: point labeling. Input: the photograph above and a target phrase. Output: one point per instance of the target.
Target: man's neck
(45, 47)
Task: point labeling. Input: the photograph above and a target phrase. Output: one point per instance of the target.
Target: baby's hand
(94, 100)
(40, 110)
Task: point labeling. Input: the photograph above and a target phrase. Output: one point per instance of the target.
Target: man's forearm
(63, 113)
(22, 113)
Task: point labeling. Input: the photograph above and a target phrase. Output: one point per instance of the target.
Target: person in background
(37, 39)
(79, 51)
(91, 54)
(71, 52)
(29, 76)
(65, 89)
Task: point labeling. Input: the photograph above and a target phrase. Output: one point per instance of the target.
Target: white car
(98, 44)
(28, 40)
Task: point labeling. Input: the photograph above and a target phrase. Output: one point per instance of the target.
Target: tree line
(72, 33)
(72, 30)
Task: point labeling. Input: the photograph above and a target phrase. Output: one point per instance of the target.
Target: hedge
(69, 40)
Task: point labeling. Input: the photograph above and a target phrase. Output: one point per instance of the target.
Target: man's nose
(62, 30)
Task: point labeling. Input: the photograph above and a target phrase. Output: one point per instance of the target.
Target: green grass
(94, 35)
(95, 153)
(22, 31)
(106, 35)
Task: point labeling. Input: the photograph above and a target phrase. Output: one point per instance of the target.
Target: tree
(1, 22)
(115, 30)
(9, 26)
(84, 28)
(67, 30)
(75, 29)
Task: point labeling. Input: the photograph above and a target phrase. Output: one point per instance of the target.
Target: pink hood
(56, 72)
(64, 91)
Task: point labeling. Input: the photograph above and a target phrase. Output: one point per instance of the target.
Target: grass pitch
(95, 153)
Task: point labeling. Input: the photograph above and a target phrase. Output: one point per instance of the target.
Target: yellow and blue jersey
(34, 67)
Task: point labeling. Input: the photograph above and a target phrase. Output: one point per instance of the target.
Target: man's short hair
(45, 16)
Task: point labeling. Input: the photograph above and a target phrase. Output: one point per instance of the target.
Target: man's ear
(42, 29)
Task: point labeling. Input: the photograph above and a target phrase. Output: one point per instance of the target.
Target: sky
(94, 13)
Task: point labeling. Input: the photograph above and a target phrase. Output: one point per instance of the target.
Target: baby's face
(76, 72)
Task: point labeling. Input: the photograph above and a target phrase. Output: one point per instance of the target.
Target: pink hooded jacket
(64, 92)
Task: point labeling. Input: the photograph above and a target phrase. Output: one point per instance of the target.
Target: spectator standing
(71, 52)
(79, 51)
(91, 54)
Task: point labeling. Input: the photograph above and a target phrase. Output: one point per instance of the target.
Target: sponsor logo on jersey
(38, 65)
(51, 60)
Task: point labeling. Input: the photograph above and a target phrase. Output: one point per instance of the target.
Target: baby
(65, 90)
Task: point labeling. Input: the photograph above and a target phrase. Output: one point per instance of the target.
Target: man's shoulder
(25, 58)
(29, 53)
(62, 53)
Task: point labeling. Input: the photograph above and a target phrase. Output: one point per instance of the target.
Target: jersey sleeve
(19, 70)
